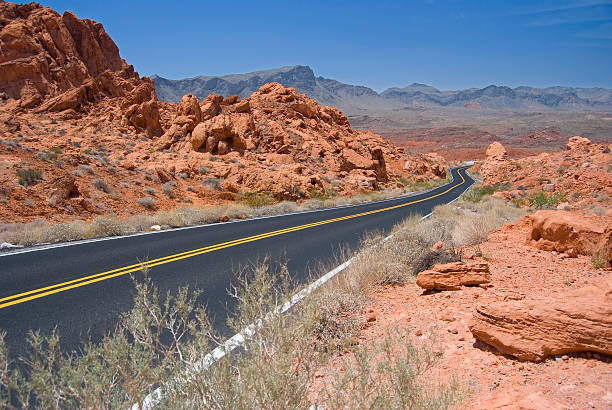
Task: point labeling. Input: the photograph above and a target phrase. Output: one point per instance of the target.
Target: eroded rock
(561, 231)
(454, 275)
(537, 327)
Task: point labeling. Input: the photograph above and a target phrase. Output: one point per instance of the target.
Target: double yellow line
(86, 280)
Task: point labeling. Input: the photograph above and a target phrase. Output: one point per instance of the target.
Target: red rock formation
(495, 164)
(70, 106)
(55, 63)
(579, 175)
(564, 231)
(451, 276)
(535, 328)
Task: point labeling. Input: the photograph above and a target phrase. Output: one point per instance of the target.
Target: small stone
(564, 357)
(453, 331)
(438, 245)
(371, 318)
(419, 332)
(224, 218)
(155, 228)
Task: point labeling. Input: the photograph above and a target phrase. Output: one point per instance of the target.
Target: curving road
(81, 288)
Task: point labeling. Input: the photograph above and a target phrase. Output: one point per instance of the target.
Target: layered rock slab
(454, 275)
(533, 329)
(565, 231)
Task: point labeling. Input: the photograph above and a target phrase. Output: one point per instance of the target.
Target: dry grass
(162, 337)
(43, 232)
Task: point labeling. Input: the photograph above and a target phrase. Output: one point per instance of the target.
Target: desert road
(82, 288)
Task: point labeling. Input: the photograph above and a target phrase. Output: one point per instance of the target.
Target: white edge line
(238, 339)
(80, 242)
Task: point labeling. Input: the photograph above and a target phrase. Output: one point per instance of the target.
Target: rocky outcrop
(578, 143)
(279, 121)
(55, 63)
(565, 231)
(426, 166)
(535, 328)
(579, 176)
(454, 275)
(496, 163)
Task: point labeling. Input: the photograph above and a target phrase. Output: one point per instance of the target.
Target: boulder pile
(576, 178)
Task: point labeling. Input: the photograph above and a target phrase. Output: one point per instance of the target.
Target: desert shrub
(104, 226)
(5, 191)
(255, 199)
(598, 260)
(182, 175)
(168, 188)
(29, 176)
(280, 208)
(149, 190)
(542, 200)
(203, 170)
(472, 230)
(476, 193)
(428, 259)
(147, 202)
(606, 150)
(86, 168)
(101, 184)
(336, 325)
(46, 156)
(190, 188)
(63, 232)
(77, 173)
(212, 183)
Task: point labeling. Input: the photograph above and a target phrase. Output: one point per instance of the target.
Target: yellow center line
(64, 286)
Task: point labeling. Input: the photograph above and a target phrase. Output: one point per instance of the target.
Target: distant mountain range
(359, 100)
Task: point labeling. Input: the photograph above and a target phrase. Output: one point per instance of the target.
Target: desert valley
(492, 291)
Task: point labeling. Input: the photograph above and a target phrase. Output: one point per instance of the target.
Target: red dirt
(581, 380)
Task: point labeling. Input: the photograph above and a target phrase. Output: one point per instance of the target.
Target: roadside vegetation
(247, 205)
(162, 341)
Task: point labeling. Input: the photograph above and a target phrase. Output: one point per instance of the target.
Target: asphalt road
(82, 288)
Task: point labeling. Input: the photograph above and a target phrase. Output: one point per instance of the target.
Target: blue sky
(380, 44)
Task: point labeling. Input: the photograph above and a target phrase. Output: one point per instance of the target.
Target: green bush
(29, 176)
(542, 200)
(478, 192)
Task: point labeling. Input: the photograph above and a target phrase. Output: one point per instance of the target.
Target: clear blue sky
(448, 44)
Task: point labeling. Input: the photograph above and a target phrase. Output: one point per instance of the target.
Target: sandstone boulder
(451, 276)
(561, 231)
(495, 165)
(535, 328)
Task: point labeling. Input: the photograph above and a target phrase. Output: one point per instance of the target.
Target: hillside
(82, 134)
